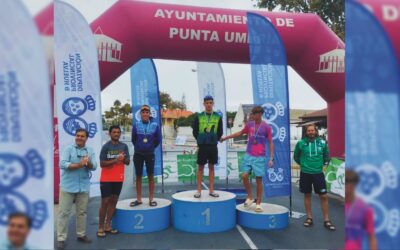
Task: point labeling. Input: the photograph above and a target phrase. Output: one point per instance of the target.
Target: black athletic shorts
(207, 154)
(307, 181)
(139, 160)
(110, 188)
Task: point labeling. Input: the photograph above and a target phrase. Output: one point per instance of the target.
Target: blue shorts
(255, 164)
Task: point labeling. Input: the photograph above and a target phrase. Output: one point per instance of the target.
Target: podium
(205, 214)
(142, 218)
(272, 217)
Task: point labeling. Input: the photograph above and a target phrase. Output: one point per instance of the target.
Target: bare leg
(151, 187)
(324, 206)
(200, 177)
(110, 211)
(247, 186)
(211, 174)
(103, 212)
(139, 188)
(307, 204)
(259, 189)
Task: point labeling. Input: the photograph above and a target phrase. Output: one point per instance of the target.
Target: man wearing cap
(207, 129)
(146, 136)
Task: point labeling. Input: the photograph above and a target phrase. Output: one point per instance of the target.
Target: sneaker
(84, 239)
(197, 195)
(258, 209)
(248, 202)
(60, 245)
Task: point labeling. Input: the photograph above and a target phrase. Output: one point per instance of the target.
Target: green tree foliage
(118, 115)
(184, 122)
(165, 99)
(331, 11)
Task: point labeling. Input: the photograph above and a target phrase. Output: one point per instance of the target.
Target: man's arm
(91, 163)
(234, 135)
(104, 163)
(244, 131)
(195, 127)
(65, 161)
(370, 228)
(326, 154)
(134, 134)
(127, 159)
(297, 153)
(220, 130)
(157, 136)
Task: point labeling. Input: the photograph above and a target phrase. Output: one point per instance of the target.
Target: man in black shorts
(311, 153)
(146, 136)
(113, 156)
(207, 129)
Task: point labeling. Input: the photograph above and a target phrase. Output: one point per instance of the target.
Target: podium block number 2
(139, 224)
(206, 214)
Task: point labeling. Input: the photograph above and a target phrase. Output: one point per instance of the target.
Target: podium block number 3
(206, 214)
(139, 224)
(272, 223)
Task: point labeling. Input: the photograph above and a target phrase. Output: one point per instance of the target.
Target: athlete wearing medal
(146, 136)
(207, 129)
(255, 160)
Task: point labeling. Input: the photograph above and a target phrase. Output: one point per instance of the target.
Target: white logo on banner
(271, 112)
(373, 182)
(108, 49)
(332, 62)
(275, 176)
(74, 108)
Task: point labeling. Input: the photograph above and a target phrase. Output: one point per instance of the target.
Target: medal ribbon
(256, 133)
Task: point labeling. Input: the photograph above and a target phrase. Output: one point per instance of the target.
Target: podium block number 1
(206, 214)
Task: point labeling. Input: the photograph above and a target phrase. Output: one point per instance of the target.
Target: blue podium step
(203, 215)
(142, 218)
(272, 217)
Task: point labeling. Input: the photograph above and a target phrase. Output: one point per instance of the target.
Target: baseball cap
(145, 107)
(208, 98)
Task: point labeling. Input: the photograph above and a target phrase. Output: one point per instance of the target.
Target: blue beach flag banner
(26, 134)
(144, 87)
(373, 119)
(211, 81)
(270, 90)
(77, 83)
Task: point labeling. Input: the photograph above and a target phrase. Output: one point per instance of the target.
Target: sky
(177, 77)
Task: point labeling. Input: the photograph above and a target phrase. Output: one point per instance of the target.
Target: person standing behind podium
(146, 136)
(113, 156)
(76, 162)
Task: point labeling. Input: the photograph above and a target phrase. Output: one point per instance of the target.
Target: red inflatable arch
(131, 30)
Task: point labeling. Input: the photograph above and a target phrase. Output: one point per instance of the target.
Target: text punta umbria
(211, 35)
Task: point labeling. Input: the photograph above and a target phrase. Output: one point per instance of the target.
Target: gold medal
(145, 140)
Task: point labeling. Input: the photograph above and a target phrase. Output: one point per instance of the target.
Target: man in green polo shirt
(311, 153)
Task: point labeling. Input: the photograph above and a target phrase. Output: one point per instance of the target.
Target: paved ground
(295, 236)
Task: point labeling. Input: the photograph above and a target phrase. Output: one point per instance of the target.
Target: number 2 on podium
(139, 224)
(206, 214)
